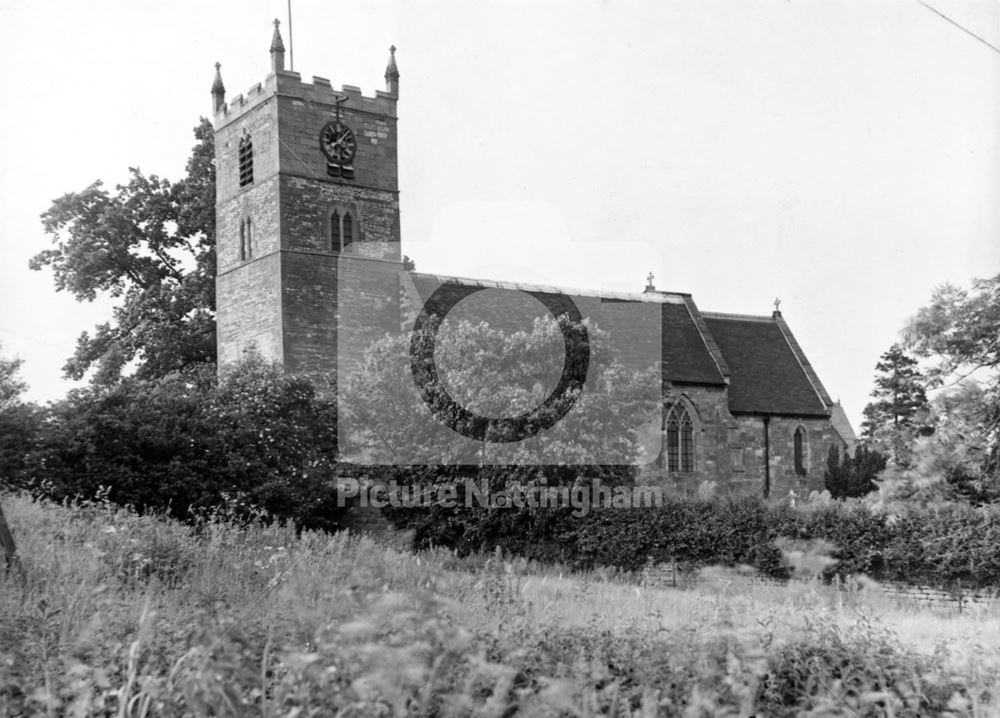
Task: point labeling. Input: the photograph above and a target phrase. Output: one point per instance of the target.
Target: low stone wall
(676, 576)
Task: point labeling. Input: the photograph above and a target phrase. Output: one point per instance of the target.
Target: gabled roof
(757, 356)
(689, 353)
(842, 425)
(770, 374)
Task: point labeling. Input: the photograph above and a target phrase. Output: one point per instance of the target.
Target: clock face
(337, 142)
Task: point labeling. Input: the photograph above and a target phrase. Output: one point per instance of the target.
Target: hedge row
(949, 546)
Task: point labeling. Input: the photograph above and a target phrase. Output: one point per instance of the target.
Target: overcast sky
(842, 156)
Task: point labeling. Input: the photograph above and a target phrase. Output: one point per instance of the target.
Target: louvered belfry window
(246, 161)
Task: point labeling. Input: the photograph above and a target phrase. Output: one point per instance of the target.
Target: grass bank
(137, 616)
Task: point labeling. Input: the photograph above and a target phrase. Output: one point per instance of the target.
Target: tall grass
(128, 615)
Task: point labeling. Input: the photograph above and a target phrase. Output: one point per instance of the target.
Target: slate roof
(687, 356)
(838, 417)
(770, 375)
(757, 356)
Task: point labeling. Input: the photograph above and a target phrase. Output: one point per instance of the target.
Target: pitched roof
(687, 356)
(838, 417)
(688, 352)
(770, 374)
(758, 357)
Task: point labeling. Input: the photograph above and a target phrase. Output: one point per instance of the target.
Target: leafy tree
(11, 386)
(950, 466)
(900, 398)
(960, 329)
(19, 423)
(17, 428)
(187, 441)
(853, 476)
(150, 245)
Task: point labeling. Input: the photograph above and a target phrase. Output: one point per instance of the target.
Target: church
(306, 177)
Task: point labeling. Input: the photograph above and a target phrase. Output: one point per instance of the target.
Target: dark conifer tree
(899, 394)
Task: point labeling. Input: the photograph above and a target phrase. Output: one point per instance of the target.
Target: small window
(246, 161)
(348, 229)
(799, 441)
(335, 235)
(243, 239)
(344, 229)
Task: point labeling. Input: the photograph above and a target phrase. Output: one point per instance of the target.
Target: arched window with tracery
(678, 426)
(799, 442)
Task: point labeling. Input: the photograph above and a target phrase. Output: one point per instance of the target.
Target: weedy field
(128, 615)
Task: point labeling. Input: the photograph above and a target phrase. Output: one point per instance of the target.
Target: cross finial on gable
(649, 283)
(777, 306)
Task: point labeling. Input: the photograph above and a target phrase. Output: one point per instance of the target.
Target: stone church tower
(305, 176)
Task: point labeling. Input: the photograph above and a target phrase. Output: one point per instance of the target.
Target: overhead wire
(964, 29)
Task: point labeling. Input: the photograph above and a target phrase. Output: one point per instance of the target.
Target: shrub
(858, 672)
(952, 546)
(185, 442)
(853, 476)
(19, 430)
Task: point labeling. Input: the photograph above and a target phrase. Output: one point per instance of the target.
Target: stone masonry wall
(666, 575)
(303, 109)
(248, 309)
(748, 447)
(259, 121)
(259, 204)
(820, 435)
(284, 295)
(308, 204)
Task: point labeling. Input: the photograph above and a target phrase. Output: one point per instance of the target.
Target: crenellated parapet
(287, 83)
(319, 91)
